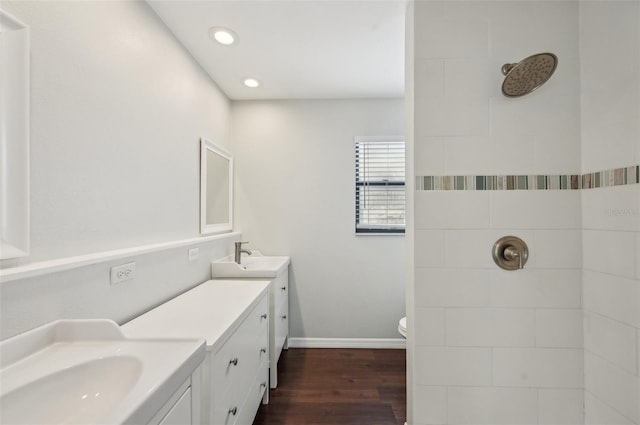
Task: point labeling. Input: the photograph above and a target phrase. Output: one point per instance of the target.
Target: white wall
(294, 163)
(118, 107)
(494, 346)
(117, 110)
(611, 215)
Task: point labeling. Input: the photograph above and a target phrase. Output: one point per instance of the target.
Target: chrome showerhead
(528, 74)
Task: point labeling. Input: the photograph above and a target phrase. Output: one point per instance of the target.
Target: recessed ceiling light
(251, 82)
(222, 35)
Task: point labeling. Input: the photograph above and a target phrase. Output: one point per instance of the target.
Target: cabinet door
(180, 413)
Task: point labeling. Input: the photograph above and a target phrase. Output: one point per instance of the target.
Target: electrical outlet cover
(123, 273)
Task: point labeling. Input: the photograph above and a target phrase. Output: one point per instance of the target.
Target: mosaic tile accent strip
(606, 178)
(615, 177)
(532, 182)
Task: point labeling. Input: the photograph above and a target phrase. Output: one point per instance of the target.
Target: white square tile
(429, 326)
(556, 154)
(448, 116)
(469, 249)
(468, 77)
(613, 386)
(535, 209)
(515, 28)
(558, 249)
(538, 367)
(490, 327)
(452, 366)
(559, 114)
(597, 156)
(429, 156)
(492, 406)
(559, 328)
(467, 9)
(452, 209)
(560, 407)
(468, 156)
(609, 252)
(452, 288)
(512, 155)
(430, 405)
(451, 38)
(612, 296)
(536, 288)
(611, 340)
(598, 412)
(428, 248)
(429, 78)
(611, 208)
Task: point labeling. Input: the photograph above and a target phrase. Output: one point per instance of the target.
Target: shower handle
(510, 253)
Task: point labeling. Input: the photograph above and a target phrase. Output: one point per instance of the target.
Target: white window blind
(380, 185)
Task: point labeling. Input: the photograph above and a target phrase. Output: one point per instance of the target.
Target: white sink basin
(87, 372)
(255, 265)
(80, 394)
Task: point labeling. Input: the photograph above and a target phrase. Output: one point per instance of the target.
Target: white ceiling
(297, 49)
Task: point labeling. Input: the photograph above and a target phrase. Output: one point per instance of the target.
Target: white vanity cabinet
(276, 269)
(233, 317)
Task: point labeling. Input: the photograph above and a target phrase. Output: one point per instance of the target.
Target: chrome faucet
(239, 251)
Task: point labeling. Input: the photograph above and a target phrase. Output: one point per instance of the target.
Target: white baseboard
(381, 343)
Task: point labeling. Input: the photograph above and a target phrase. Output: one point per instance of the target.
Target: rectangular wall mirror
(14, 137)
(216, 189)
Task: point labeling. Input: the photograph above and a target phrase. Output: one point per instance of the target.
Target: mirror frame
(14, 138)
(205, 147)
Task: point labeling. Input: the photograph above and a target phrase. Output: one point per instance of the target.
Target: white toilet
(402, 327)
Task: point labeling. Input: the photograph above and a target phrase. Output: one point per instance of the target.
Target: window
(380, 192)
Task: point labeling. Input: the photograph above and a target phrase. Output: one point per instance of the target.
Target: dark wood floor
(338, 387)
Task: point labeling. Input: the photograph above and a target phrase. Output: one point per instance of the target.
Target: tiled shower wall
(610, 103)
(494, 346)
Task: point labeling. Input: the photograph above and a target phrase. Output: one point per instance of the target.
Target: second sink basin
(88, 372)
(256, 265)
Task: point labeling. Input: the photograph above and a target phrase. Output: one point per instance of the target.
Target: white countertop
(208, 311)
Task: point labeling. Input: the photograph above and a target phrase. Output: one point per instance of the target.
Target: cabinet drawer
(247, 412)
(180, 413)
(281, 288)
(281, 327)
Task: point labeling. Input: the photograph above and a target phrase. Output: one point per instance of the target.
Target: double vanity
(203, 357)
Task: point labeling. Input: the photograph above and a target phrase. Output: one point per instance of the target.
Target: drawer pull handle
(263, 384)
(264, 316)
(233, 410)
(284, 288)
(284, 316)
(263, 350)
(234, 361)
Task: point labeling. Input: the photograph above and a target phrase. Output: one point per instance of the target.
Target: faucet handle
(240, 243)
